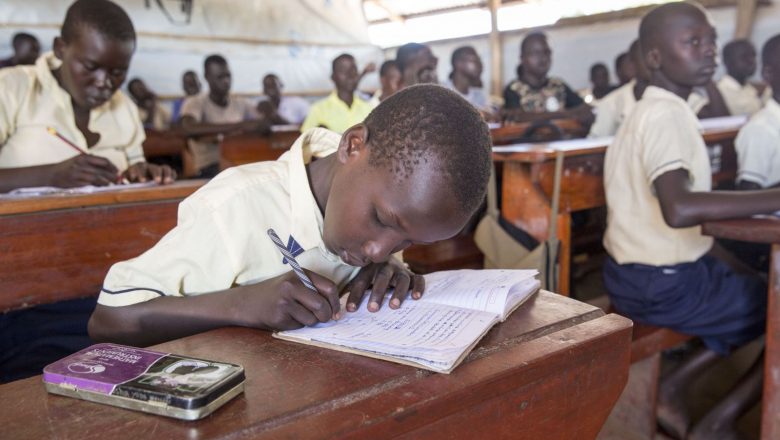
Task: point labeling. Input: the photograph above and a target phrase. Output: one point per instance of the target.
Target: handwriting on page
(483, 289)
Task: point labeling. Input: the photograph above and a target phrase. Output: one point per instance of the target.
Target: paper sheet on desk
(53, 190)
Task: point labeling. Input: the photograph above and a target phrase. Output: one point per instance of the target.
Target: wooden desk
(164, 143)
(552, 371)
(528, 171)
(247, 148)
(762, 230)
(515, 131)
(60, 247)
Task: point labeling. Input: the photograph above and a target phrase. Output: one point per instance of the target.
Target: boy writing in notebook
(75, 91)
(413, 172)
(661, 270)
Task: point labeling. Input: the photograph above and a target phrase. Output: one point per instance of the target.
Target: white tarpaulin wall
(297, 39)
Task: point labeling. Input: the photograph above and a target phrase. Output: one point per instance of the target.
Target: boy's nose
(379, 249)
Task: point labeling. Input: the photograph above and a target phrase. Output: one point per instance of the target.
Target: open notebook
(39, 191)
(437, 331)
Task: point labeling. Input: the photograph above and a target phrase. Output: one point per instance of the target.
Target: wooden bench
(635, 411)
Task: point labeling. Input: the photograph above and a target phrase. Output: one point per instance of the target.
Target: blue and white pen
(292, 261)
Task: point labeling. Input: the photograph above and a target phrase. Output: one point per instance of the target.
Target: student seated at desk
(191, 86)
(26, 50)
(413, 172)
(625, 69)
(153, 114)
(417, 64)
(599, 80)
(206, 117)
(661, 270)
(75, 91)
(466, 77)
(279, 109)
(535, 96)
(741, 97)
(389, 81)
(343, 108)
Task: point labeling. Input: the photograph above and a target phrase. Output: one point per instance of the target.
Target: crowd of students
(371, 176)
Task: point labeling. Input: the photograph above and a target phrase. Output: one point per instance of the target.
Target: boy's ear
(59, 48)
(653, 59)
(353, 143)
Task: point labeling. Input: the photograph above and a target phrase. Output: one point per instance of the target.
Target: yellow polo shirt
(31, 100)
(220, 239)
(334, 114)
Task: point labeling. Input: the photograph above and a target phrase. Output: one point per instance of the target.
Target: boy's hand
(380, 276)
(143, 171)
(84, 169)
(284, 303)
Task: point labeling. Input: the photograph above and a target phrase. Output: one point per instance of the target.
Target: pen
(54, 132)
(292, 261)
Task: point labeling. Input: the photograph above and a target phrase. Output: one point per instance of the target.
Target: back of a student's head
(26, 48)
(429, 124)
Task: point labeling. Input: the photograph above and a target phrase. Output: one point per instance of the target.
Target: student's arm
(683, 208)
(266, 108)
(84, 169)
(279, 303)
(716, 106)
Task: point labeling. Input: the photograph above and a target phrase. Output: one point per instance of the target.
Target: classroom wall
(576, 48)
(296, 39)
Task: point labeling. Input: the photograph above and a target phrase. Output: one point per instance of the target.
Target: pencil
(54, 132)
(292, 261)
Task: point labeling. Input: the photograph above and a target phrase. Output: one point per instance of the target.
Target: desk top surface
(755, 229)
(177, 190)
(300, 391)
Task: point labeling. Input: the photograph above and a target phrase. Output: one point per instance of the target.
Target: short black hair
(651, 28)
(344, 56)
(732, 48)
(104, 16)
(189, 72)
(386, 66)
(214, 59)
(428, 121)
(21, 36)
(619, 61)
(461, 51)
(405, 53)
(598, 66)
(530, 37)
(771, 50)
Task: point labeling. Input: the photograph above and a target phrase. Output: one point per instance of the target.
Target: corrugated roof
(379, 10)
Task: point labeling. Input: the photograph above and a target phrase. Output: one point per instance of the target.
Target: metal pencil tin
(144, 380)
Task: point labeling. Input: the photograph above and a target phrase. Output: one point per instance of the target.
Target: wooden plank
(553, 370)
(459, 252)
(249, 147)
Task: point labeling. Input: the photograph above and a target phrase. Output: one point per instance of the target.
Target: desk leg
(564, 256)
(770, 414)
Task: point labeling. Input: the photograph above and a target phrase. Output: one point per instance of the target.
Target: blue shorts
(705, 298)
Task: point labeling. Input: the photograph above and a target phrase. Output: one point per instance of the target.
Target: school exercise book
(435, 332)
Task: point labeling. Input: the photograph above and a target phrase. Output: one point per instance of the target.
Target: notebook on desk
(435, 332)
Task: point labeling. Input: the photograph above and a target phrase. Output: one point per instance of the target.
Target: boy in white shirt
(741, 97)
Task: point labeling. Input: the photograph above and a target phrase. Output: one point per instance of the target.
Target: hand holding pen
(83, 169)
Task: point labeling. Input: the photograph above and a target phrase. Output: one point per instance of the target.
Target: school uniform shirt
(161, 119)
(292, 108)
(220, 239)
(334, 114)
(613, 109)
(758, 147)
(205, 150)
(475, 95)
(661, 134)
(740, 99)
(31, 100)
(554, 95)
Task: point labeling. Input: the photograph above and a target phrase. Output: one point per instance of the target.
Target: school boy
(417, 64)
(280, 109)
(536, 96)
(661, 270)
(466, 77)
(625, 69)
(26, 50)
(206, 117)
(413, 172)
(389, 81)
(152, 113)
(758, 142)
(75, 91)
(741, 97)
(190, 84)
(343, 108)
